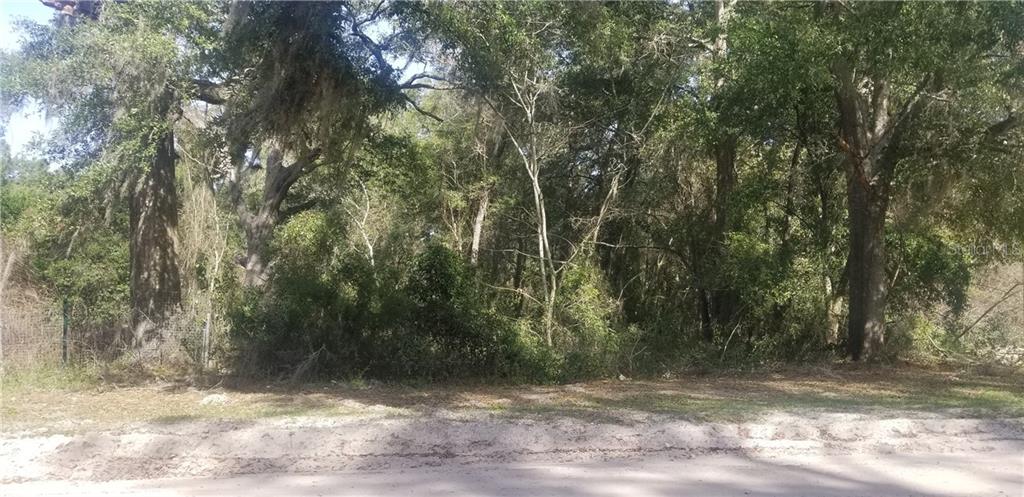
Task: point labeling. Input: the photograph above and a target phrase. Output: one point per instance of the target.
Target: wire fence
(44, 334)
(31, 336)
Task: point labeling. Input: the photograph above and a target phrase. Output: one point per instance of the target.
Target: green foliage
(456, 334)
(69, 245)
(432, 326)
(929, 271)
(648, 186)
(917, 338)
(588, 339)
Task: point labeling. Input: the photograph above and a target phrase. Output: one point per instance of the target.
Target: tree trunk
(478, 226)
(258, 229)
(155, 277)
(834, 289)
(704, 307)
(869, 287)
(722, 298)
(725, 182)
(789, 208)
(870, 135)
(8, 256)
(259, 226)
(833, 310)
(517, 277)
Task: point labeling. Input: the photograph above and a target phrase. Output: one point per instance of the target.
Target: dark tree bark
(706, 321)
(870, 132)
(153, 208)
(75, 8)
(725, 181)
(789, 208)
(720, 301)
(868, 284)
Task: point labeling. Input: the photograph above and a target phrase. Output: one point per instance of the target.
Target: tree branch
(1009, 293)
(416, 77)
(421, 110)
(298, 208)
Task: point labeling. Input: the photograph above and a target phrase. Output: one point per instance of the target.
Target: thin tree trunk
(490, 164)
(547, 273)
(8, 256)
(833, 307)
(517, 276)
(834, 290)
(835, 297)
(704, 307)
(362, 223)
(785, 247)
(478, 226)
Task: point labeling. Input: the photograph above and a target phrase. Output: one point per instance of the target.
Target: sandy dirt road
(444, 452)
(995, 473)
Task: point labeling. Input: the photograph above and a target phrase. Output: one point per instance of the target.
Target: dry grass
(105, 407)
(733, 396)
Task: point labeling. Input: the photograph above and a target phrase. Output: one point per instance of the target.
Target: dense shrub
(588, 339)
(447, 322)
(349, 318)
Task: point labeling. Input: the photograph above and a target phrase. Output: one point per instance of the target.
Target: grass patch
(70, 378)
(71, 411)
(73, 401)
(739, 397)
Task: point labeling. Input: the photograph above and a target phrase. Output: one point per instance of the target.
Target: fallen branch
(307, 364)
(1006, 296)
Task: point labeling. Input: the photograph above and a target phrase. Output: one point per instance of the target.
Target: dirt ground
(176, 431)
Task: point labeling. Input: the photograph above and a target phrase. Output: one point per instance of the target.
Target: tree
(128, 63)
(931, 55)
(300, 83)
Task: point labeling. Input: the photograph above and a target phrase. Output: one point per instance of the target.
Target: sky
(29, 121)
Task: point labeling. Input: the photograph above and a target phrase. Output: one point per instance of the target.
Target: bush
(446, 326)
(587, 339)
(915, 338)
(350, 319)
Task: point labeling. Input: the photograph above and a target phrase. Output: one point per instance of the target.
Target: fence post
(206, 341)
(64, 335)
